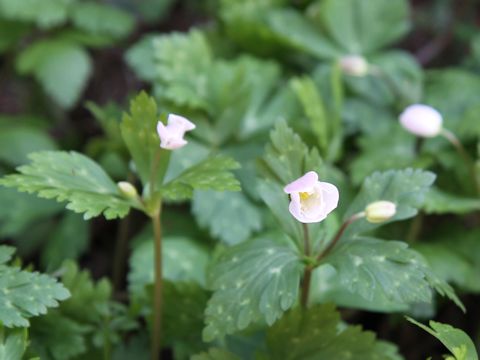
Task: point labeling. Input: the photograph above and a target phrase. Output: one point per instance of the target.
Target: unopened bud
(422, 120)
(354, 65)
(380, 211)
(127, 189)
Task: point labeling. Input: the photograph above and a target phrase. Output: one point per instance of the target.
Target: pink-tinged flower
(311, 200)
(422, 120)
(171, 135)
(354, 65)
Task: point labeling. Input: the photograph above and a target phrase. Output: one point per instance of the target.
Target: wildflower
(311, 200)
(422, 120)
(380, 211)
(171, 135)
(354, 65)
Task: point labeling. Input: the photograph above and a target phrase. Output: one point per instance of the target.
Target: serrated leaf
(441, 202)
(25, 294)
(455, 340)
(216, 354)
(287, 156)
(71, 177)
(14, 345)
(254, 282)
(377, 270)
(139, 133)
(45, 13)
(405, 188)
(101, 19)
(231, 217)
(317, 334)
(214, 173)
(6, 253)
(181, 80)
(61, 67)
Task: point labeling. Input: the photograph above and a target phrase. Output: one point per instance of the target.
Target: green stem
(339, 234)
(415, 228)
(452, 138)
(157, 295)
(307, 275)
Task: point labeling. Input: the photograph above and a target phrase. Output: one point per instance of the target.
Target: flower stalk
(307, 275)
(157, 294)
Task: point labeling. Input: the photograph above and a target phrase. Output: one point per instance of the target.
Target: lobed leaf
(70, 177)
(214, 173)
(25, 294)
(254, 282)
(231, 217)
(317, 333)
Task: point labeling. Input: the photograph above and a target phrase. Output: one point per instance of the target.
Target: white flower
(380, 211)
(171, 136)
(311, 200)
(422, 120)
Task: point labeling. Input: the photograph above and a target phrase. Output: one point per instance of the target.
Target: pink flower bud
(311, 200)
(380, 211)
(421, 120)
(354, 65)
(171, 136)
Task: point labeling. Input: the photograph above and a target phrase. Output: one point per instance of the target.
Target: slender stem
(415, 228)
(157, 295)
(452, 138)
(120, 252)
(307, 275)
(339, 234)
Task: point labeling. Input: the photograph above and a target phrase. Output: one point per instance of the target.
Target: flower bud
(380, 211)
(422, 120)
(354, 65)
(127, 189)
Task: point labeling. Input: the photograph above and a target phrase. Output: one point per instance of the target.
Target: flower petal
(306, 182)
(330, 196)
(180, 121)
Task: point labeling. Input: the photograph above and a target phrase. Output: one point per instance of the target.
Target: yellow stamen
(304, 195)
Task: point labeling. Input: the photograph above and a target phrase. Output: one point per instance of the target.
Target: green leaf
(213, 173)
(455, 340)
(287, 157)
(14, 346)
(216, 354)
(22, 211)
(16, 142)
(25, 294)
(57, 337)
(254, 282)
(141, 58)
(71, 177)
(314, 108)
(405, 188)
(231, 217)
(183, 317)
(182, 79)
(139, 133)
(11, 33)
(102, 19)
(441, 202)
(381, 270)
(61, 67)
(183, 260)
(45, 13)
(68, 241)
(361, 27)
(318, 333)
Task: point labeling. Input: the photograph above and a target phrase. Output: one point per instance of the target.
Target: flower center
(304, 196)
